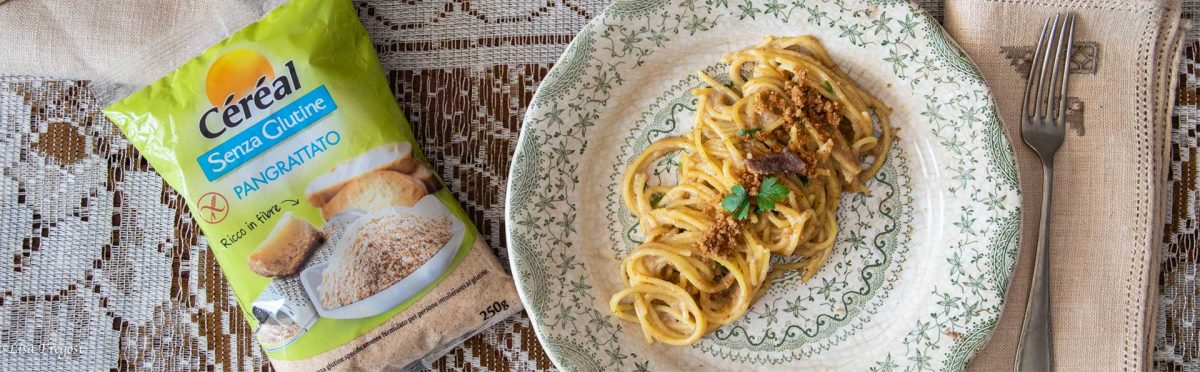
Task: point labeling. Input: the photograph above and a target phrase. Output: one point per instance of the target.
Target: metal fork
(1043, 127)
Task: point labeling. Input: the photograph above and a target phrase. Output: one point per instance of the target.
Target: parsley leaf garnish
(748, 132)
(655, 198)
(770, 192)
(828, 86)
(737, 202)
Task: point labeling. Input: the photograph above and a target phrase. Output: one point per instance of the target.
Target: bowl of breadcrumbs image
(386, 257)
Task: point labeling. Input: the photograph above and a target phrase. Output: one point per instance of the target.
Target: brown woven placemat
(123, 280)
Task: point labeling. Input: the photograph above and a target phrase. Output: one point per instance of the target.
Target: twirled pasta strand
(676, 291)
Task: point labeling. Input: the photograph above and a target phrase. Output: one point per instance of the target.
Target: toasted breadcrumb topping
(718, 241)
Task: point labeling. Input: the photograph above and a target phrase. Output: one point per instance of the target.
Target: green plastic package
(344, 249)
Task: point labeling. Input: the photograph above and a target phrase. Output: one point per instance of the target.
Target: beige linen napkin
(75, 40)
(1109, 176)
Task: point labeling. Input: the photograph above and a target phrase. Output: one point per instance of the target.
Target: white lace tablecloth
(104, 268)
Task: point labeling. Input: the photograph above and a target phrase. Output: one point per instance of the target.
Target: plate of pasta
(754, 184)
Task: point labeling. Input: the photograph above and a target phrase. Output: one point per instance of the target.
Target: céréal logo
(241, 84)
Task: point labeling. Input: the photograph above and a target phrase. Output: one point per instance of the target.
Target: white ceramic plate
(429, 206)
(920, 266)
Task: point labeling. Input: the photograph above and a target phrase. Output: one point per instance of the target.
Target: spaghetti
(760, 174)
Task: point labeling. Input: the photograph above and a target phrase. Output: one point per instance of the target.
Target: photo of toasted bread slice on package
(374, 191)
(285, 249)
(425, 175)
(393, 156)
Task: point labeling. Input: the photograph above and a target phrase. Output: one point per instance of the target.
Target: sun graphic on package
(235, 74)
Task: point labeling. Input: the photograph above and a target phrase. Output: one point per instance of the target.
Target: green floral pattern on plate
(921, 264)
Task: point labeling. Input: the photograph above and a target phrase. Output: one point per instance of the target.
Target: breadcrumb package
(344, 249)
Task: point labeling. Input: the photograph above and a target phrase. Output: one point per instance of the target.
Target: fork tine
(1069, 28)
(1043, 92)
(1053, 95)
(1026, 110)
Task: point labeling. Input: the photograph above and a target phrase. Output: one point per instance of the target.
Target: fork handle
(1033, 352)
